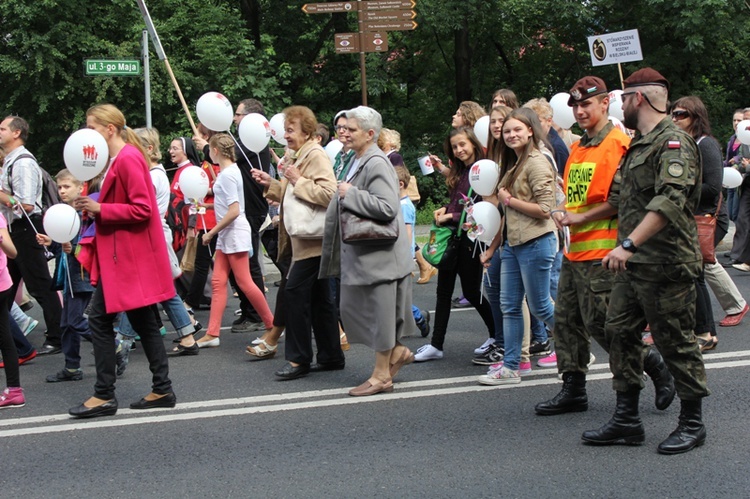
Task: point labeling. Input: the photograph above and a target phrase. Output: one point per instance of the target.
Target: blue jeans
(492, 289)
(526, 271)
(538, 331)
(176, 312)
(417, 314)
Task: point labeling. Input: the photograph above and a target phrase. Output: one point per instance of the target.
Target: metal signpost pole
(146, 79)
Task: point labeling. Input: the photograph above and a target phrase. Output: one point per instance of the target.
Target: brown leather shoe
(406, 357)
(424, 277)
(368, 388)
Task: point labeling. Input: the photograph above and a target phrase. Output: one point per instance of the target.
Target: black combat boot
(572, 397)
(657, 370)
(625, 427)
(690, 431)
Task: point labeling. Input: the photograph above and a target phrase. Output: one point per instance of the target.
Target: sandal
(406, 357)
(344, 342)
(708, 344)
(262, 350)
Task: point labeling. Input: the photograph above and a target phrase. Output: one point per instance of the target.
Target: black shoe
(181, 350)
(277, 283)
(729, 263)
(169, 400)
(493, 355)
(625, 427)
(27, 306)
(657, 370)
(537, 349)
(65, 375)
(424, 324)
(291, 372)
(109, 408)
(245, 325)
(690, 432)
(47, 349)
(572, 397)
(327, 366)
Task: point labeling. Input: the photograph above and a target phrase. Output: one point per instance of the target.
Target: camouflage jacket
(661, 172)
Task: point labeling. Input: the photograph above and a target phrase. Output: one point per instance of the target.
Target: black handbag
(361, 231)
(356, 230)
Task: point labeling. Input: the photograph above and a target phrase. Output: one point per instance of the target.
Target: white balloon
(255, 132)
(743, 134)
(193, 183)
(61, 223)
(277, 128)
(333, 148)
(488, 216)
(484, 176)
(86, 153)
(562, 113)
(215, 111)
(615, 105)
(482, 130)
(732, 178)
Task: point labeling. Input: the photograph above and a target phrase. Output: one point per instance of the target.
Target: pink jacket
(131, 253)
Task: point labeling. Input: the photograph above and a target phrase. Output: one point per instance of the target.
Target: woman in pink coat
(127, 228)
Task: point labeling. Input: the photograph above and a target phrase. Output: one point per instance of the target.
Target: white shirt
(236, 237)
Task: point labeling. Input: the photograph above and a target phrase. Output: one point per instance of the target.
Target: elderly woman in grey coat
(375, 278)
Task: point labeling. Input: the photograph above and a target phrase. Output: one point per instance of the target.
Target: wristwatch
(628, 245)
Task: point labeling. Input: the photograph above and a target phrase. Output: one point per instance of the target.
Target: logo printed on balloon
(86, 154)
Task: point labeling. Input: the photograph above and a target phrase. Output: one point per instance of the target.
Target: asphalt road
(237, 432)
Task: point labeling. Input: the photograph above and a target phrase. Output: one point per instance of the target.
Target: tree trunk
(251, 14)
(462, 59)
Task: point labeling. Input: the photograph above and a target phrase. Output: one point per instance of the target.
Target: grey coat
(374, 194)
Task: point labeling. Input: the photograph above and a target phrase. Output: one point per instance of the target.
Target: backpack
(50, 194)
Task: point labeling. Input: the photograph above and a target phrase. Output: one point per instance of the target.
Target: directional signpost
(348, 43)
(375, 17)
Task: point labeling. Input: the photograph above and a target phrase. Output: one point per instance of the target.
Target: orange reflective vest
(588, 178)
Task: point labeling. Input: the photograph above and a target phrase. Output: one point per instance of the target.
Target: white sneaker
(502, 376)
(485, 347)
(592, 359)
(428, 352)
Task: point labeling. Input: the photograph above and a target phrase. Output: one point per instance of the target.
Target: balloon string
(481, 288)
(243, 152)
(205, 231)
(47, 254)
(67, 270)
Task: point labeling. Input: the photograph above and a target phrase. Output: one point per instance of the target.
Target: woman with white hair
(377, 274)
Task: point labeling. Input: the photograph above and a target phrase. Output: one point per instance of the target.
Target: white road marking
(285, 402)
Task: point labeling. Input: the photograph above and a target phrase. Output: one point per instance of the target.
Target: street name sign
(113, 67)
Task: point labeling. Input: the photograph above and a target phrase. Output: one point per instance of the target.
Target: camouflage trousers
(664, 297)
(580, 313)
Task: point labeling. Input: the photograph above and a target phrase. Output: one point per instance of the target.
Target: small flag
(673, 144)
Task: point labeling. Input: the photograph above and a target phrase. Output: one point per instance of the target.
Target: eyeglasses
(625, 94)
(680, 115)
(241, 114)
(341, 128)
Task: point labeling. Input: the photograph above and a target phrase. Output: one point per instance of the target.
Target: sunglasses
(680, 115)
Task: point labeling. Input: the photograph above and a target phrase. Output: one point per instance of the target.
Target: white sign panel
(614, 48)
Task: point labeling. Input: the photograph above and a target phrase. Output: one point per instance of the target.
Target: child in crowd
(12, 396)
(74, 281)
(421, 317)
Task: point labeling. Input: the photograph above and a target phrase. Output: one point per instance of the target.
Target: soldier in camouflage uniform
(590, 213)
(655, 263)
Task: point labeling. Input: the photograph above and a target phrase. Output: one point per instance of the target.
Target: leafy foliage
(270, 50)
